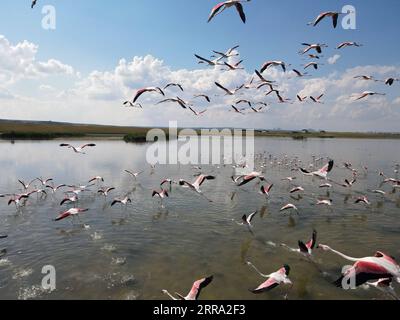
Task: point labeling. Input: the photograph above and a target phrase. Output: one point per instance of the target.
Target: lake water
(136, 252)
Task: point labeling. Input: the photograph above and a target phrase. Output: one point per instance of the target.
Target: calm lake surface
(136, 252)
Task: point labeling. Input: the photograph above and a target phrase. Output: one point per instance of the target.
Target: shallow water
(136, 252)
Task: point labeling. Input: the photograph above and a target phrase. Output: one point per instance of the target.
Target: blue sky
(95, 35)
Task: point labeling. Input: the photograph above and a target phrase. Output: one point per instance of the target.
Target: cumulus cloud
(334, 59)
(19, 62)
(97, 97)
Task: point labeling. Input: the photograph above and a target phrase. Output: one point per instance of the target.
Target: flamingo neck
(170, 295)
(344, 256)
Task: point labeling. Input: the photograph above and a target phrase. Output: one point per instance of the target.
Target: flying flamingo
(299, 74)
(390, 81)
(250, 177)
(326, 202)
(71, 199)
(244, 101)
(332, 14)
(348, 44)
(313, 64)
(97, 178)
(148, 89)
(203, 96)
(368, 268)
(229, 53)
(274, 279)
(176, 100)
(296, 189)
(220, 7)
(301, 99)
(197, 113)
(77, 149)
(54, 189)
(318, 99)
(265, 190)
(318, 47)
(44, 181)
(73, 212)
(236, 109)
(211, 63)
(195, 186)
(174, 85)
(20, 199)
(227, 91)
(162, 194)
(105, 191)
(364, 77)
(123, 201)
(235, 66)
(289, 207)
(305, 248)
(33, 3)
(363, 199)
(246, 220)
(321, 173)
(369, 93)
(133, 174)
(132, 105)
(26, 185)
(194, 291)
(268, 64)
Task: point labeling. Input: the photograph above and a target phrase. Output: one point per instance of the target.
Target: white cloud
(334, 59)
(19, 62)
(97, 97)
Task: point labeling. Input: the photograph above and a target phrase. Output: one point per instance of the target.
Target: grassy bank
(31, 130)
(37, 135)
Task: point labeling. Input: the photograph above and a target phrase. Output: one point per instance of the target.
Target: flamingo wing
(268, 285)
(311, 244)
(240, 10)
(363, 272)
(215, 10)
(63, 215)
(222, 87)
(197, 287)
(139, 93)
(320, 18)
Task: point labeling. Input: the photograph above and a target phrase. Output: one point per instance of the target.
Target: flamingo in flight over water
(220, 7)
(366, 269)
(246, 220)
(274, 279)
(321, 173)
(194, 291)
(123, 201)
(73, 212)
(77, 149)
(305, 248)
(195, 186)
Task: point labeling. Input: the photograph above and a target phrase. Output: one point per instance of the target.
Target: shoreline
(11, 130)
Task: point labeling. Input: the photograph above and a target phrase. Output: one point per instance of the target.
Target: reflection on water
(135, 252)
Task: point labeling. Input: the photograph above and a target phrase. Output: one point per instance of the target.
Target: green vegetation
(36, 135)
(135, 137)
(45, 130)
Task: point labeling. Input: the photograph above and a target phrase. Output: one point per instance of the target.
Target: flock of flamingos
(379, 270)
